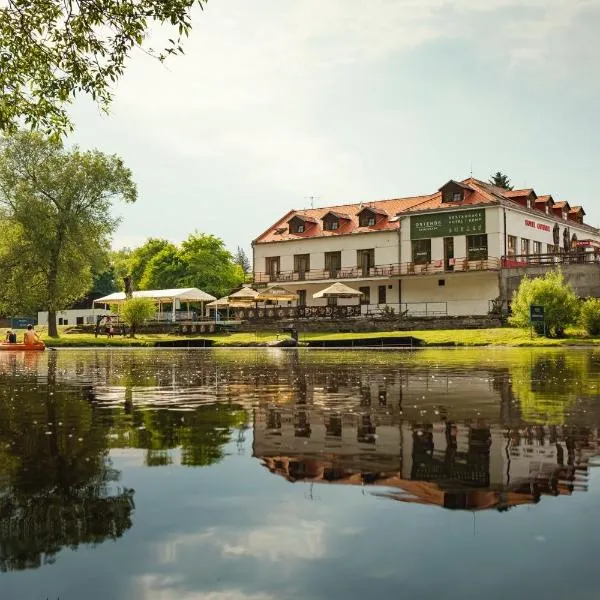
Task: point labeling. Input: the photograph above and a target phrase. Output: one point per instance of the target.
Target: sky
(282, 104)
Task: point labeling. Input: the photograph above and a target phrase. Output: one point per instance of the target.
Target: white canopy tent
(162, 297)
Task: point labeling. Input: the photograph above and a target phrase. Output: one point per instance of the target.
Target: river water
(303, 474)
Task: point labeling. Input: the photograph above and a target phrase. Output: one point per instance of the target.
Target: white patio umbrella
(338, 290)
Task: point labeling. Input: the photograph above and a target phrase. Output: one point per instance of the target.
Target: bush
(561, 306)
(137, 310)
(590, 316)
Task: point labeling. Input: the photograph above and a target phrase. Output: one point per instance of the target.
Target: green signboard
(536, 313)
(464, 222)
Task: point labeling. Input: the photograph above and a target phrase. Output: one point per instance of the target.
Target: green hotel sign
(447, 224)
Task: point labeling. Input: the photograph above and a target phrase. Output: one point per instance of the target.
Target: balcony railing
(390, 310)
(518, 261)
(380, 271)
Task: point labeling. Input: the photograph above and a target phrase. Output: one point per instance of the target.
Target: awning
(276, 292)
(181, 294)
(338, 290)
(246, 294)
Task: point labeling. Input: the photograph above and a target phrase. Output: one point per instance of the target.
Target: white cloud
(156, 587)
(275, 542)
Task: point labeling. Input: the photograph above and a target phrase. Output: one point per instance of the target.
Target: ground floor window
(524, 246)
(477, 247)
(550, 249)
(366, 295)
(537, 247)
(511, 245)
(421, 252)
(381, 293)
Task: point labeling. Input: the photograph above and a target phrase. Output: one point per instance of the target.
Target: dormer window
(367, 217)
(300, 223)
(454, 191)
(333, 220)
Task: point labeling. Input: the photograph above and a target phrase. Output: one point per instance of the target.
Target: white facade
(84, 316)
(442, 260)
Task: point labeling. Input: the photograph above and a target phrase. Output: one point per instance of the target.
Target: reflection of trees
(549, 385)
(201, 433)
(57, 487)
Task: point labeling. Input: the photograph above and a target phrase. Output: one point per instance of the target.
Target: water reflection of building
(453, 464)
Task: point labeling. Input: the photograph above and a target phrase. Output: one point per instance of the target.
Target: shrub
(590, 316)
(137, 310)
(561, 306)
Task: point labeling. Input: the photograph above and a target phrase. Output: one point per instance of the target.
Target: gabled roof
(374, 209)
(303, 217)
(577, 209)
(352, 226)
(520, 193)
(461, 184)
(562, 204)
(339, 215)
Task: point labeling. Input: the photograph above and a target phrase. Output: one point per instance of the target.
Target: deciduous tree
(53, 50)
(135, 311)
(56, 213)
(561, 306)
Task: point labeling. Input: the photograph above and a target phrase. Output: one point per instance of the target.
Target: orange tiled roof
(351, 226)
(476, 193)
(518, 193)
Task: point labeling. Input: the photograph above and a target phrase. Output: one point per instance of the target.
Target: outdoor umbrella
(246, 294)
(338, 290)
(276, 293)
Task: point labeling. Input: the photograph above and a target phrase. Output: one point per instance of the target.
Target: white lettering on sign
(535, 225)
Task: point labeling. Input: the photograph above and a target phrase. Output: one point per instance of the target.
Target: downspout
(400, 222)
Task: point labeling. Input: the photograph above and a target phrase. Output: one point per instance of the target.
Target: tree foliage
(55, 214)
(561, 306)
(142, 255)
(53, 50)
(241, 259)
(500, 180)
(201, 261)
(137, 310)
(590, 316)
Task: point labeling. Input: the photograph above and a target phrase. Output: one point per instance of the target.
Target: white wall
(494, 229)
(385, 244)
(464, 293)
(89, 315)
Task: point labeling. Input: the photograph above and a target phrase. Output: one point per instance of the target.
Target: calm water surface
(267, 474)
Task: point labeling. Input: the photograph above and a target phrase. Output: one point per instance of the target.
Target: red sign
(541, 226)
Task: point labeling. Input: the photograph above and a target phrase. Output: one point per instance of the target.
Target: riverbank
(509, 337)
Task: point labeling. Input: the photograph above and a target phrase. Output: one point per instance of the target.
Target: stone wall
(365, 325)
(585, 279)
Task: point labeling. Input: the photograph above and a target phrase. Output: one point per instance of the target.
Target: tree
(209, 265)
(202, 261)
(241, 259)
(135, 311)
(561, 306)
(119, 260)
(55, 211)
(142, 256)
(53, 50)
(500, 180)
(590, 316)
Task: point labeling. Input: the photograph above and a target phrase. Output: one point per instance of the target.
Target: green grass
(507, 336)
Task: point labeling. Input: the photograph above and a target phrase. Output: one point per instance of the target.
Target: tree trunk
(52, 328)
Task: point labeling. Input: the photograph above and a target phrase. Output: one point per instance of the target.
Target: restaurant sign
(465, 222)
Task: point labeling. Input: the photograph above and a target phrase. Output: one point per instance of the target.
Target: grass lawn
(459, 337)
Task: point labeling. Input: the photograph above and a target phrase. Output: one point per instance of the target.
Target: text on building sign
(535, 225)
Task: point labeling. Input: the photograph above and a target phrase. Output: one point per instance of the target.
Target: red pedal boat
(20, 346)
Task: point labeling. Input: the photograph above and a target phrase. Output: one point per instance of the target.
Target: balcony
(521, 261)
(380, 271)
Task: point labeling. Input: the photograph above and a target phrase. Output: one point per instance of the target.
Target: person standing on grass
(30, 336)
